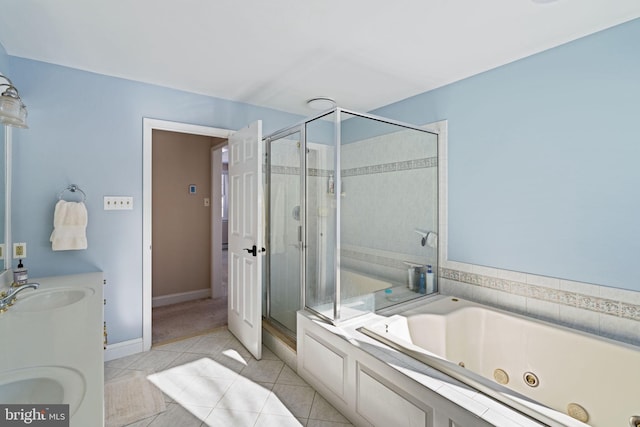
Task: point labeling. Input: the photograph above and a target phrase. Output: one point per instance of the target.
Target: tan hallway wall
(181, 223)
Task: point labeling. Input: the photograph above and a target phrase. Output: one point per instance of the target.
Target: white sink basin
(50, 299)
(43, 385)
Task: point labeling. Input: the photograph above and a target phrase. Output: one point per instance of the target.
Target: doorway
(182, 181)
(174, 262)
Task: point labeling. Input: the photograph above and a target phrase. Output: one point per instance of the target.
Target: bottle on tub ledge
(431, 285)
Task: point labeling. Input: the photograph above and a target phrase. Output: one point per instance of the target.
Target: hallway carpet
(187, 319)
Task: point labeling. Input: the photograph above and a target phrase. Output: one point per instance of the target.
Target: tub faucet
(7, 299)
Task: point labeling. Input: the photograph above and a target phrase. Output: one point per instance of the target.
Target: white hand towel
(69, 226)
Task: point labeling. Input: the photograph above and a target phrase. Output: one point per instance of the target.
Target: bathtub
(543, 370)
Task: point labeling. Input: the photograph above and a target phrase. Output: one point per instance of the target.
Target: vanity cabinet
(53, 344)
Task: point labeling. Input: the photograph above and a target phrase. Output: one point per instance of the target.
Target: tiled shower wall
(389, 190)
(605, 311)
(379, 208)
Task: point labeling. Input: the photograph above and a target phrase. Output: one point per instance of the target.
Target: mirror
(5, 133)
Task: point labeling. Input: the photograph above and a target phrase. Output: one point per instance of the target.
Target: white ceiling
(279, 53)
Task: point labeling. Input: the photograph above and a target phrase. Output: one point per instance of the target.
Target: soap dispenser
(20, 275)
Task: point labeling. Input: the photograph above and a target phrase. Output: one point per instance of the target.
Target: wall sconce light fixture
(13, 112)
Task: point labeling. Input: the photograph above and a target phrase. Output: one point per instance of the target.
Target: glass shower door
(284, 222)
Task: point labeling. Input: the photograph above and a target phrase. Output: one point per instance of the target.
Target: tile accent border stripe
(285, 170)
(427, 162)
(572, 299)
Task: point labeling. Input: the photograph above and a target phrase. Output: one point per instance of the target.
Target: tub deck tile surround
(579, 305)
(517, 288)
(608, 307)
(577, 318)
(518, 303)
(630, 311)
(553, 295)
(589, 303)
(565, 298)
(544, 310)
(623, 327)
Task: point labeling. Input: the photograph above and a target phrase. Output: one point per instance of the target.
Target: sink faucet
(7, 300)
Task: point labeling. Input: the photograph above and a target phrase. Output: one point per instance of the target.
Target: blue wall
(543, 160)
(4, 61)
(86, 129)
(542, 163)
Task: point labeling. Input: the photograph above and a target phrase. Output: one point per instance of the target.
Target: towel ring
(72, 188)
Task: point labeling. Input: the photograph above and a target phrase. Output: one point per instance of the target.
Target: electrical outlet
(1, 250)
(118, 203)
(19, 250)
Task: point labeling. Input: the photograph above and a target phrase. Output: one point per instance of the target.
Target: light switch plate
(118, 203)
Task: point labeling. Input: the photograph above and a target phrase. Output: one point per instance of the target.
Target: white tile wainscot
(608, 312)
(374, 385)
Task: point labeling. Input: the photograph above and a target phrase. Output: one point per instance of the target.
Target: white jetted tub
(541, 369)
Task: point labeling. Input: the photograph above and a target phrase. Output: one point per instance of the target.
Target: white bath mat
(131, 398)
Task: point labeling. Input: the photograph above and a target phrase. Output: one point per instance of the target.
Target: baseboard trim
(122, 349)
(180, 297)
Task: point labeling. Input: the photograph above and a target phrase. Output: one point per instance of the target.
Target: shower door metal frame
(337, 184)
(298, 128)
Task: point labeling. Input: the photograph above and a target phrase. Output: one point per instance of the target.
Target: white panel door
(245, 237)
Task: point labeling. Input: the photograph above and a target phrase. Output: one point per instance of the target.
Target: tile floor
(212, 380)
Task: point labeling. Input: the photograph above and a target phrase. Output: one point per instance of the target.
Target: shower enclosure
(352, 216)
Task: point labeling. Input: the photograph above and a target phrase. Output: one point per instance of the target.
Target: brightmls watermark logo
(34, 415)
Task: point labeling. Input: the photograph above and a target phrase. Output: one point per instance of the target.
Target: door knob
(254, 250)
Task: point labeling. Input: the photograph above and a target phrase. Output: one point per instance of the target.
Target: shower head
(428, 237)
